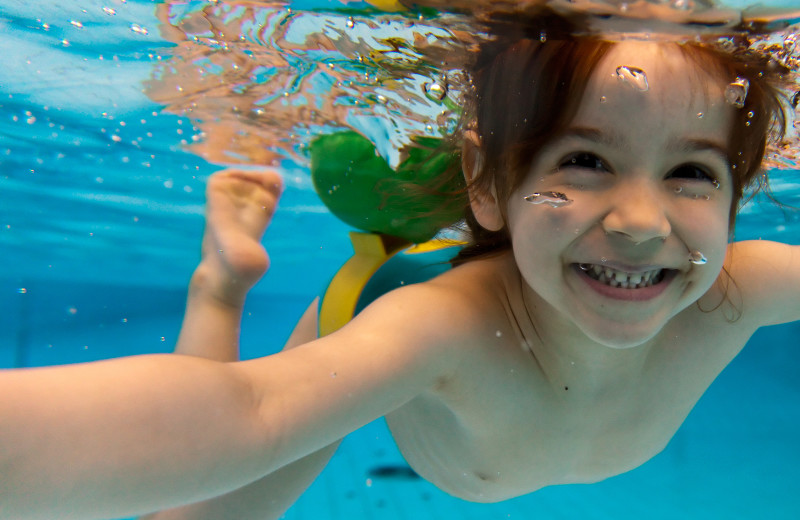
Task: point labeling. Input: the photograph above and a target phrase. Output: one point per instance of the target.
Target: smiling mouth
(622, 279)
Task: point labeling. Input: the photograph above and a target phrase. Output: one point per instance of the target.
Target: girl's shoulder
(763, 278)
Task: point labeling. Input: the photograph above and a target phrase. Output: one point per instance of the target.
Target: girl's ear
(484, 205)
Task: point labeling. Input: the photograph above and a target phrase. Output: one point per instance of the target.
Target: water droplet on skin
(697, 258)
(682, 5)
(736, 92)
(554, 199)
(679, 189)
(715, 183)
(633, 76)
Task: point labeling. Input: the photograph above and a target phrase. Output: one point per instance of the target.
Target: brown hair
(529, 82)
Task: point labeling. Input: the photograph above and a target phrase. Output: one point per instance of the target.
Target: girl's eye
(584, 160)
(692, 172)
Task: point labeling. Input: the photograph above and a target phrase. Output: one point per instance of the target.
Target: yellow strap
(391, 6)
(371, 251)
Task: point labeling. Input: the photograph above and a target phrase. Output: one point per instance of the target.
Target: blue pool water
(101, 203)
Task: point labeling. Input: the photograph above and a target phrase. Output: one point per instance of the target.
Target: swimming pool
(100, 221)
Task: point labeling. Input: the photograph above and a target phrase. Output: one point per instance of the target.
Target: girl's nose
(638, 214)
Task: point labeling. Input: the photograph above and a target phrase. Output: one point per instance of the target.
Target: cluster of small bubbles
(633, 76)
(736, 92)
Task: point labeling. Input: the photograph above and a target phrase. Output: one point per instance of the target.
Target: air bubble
(634, 77)
(138, 29)
(790, 44)
(350, 23)
(554, 199)
(736, 92)
(435, 91)
(603, 99)
(682, 5)
(697, 258)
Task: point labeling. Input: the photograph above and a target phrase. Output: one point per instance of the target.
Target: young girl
(598, 300)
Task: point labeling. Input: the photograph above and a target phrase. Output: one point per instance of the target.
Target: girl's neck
(563, 352)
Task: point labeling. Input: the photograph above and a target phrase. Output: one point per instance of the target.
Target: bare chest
(502, 429)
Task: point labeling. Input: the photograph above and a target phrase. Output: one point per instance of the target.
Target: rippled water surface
(113, 113)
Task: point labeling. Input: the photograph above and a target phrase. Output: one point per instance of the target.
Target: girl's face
(645, 163)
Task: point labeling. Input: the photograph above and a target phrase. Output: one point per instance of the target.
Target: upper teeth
(623, 279)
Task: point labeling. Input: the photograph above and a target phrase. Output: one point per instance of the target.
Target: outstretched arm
(269, 497)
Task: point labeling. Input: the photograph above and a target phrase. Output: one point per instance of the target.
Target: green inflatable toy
(361, 189)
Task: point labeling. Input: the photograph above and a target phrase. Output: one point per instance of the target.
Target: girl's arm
(269, 497)
(767, 276)
(128, 436)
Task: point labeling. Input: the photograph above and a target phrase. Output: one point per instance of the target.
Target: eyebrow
(615, 140)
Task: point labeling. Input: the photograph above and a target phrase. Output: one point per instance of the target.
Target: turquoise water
(101, 197)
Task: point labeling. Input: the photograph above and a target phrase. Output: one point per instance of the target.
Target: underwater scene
(114, 113)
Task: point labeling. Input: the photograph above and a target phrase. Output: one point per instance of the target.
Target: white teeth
(616, 278)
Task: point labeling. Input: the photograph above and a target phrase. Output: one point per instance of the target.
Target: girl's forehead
(655, 67)
(658, 79)
(652, 98)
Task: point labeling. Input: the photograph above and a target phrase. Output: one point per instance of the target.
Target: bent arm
(768, 275)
